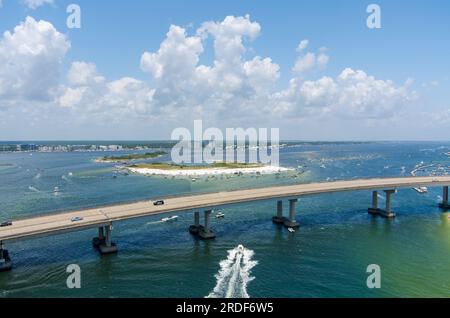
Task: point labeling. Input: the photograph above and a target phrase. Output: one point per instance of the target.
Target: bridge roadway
(104, 216)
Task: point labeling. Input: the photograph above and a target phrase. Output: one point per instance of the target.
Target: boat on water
(240, 248)
(56, 190)
(171, 218)
(291, 230)
(421, 189)
(220, 215)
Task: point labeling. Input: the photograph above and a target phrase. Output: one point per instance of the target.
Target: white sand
(209, 171)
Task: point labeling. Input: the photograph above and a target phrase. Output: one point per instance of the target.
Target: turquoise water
(326, 257)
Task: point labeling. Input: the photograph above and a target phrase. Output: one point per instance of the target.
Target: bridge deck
(61, 222)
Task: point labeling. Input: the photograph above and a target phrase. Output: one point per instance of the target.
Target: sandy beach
(209, 171)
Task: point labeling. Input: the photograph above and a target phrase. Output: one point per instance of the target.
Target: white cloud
(305, 63)
(34, 4)
(308, 61)
(31, 58)
(302, 45)
(82, 73)
(89, 92)
(228, 37)
(322, 60)
(178, 55)
(353, 94)
(233, 87)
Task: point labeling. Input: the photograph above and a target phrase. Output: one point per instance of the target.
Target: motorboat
(171, 218)
(220, 215)
(291, 230)
(421, 189)
(240, 248)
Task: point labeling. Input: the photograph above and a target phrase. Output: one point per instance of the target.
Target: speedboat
(240, 248)
(291, 230)
(220, 215)
(56, 190)
(421, 189)
(171, 218)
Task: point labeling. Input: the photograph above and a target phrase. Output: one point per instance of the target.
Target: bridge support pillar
(279, 219)
(445, 205)
(374, 210)
(194, 229)
(291, 221)
(104, 242)
(388, 213)
(5, 260)
(205, 231)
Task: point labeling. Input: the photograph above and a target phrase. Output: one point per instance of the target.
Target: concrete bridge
(102, 218)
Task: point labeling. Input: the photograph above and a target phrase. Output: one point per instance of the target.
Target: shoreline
(209, 171)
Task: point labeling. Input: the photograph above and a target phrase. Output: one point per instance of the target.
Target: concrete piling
(291, 221)
(387, 212)
(445, 205)
(279, 219)
(104, 242)
(205, 232)
(5, 260)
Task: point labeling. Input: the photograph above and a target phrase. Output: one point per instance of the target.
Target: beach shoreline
(209, 171)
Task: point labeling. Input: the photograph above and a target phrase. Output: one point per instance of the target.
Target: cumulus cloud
(31, 58)
(177, 56)
(34, 4)
(305, 63)
(89, 92)
(302, 45)
(309, 60)
(235, 86)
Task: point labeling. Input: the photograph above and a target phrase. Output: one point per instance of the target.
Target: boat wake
(234, 274)
(164, 220)
(31, 188)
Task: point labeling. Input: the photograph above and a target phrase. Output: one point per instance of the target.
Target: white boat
(421, 189)
(241, 248)
(171, 218)
(291, 230)
(56, 190)
(220, 215)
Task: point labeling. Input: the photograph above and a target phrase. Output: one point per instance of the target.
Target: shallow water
(326, 257)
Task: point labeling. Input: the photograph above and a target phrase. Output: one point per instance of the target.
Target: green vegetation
(216, 165)
(148, 155)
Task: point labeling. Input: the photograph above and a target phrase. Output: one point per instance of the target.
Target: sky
(140, 69)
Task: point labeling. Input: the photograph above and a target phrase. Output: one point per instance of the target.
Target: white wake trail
(234, 274)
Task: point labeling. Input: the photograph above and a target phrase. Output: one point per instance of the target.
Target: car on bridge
(158, 202)
(5, 224)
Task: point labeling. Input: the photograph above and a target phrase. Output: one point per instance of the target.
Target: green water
(326, 257)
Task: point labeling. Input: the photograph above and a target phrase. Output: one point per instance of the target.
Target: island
(217, 168)
(131, 157)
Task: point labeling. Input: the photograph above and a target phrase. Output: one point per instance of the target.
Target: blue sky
(411, 50)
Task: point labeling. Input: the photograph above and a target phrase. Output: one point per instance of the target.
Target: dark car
(5, 224)
(158, 202)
